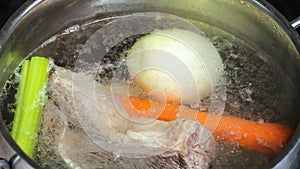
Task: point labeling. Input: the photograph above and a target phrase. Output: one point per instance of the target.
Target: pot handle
(296, 23)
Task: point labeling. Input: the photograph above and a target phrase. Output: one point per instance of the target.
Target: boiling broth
(257, 88)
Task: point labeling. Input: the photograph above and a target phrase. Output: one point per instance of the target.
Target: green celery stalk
(20, 98)
(32, 105)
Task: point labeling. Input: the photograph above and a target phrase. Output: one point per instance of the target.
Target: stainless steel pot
(254, 21)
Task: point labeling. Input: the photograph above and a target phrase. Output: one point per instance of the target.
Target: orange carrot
(266, 138)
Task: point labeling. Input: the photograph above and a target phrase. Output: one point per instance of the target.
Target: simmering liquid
(257, 88)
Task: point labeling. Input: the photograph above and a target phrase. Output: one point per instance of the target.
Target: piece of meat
(82, 128)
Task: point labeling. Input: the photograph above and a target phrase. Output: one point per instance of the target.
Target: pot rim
(291, 149)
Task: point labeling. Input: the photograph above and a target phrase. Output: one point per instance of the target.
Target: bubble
(94, 52)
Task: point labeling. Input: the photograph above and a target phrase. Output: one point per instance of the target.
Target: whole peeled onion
(182, 65)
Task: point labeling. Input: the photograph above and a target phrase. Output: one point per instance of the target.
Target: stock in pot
(259, 50)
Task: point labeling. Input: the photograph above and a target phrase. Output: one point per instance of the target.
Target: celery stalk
(20, 98)
(33, 101)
